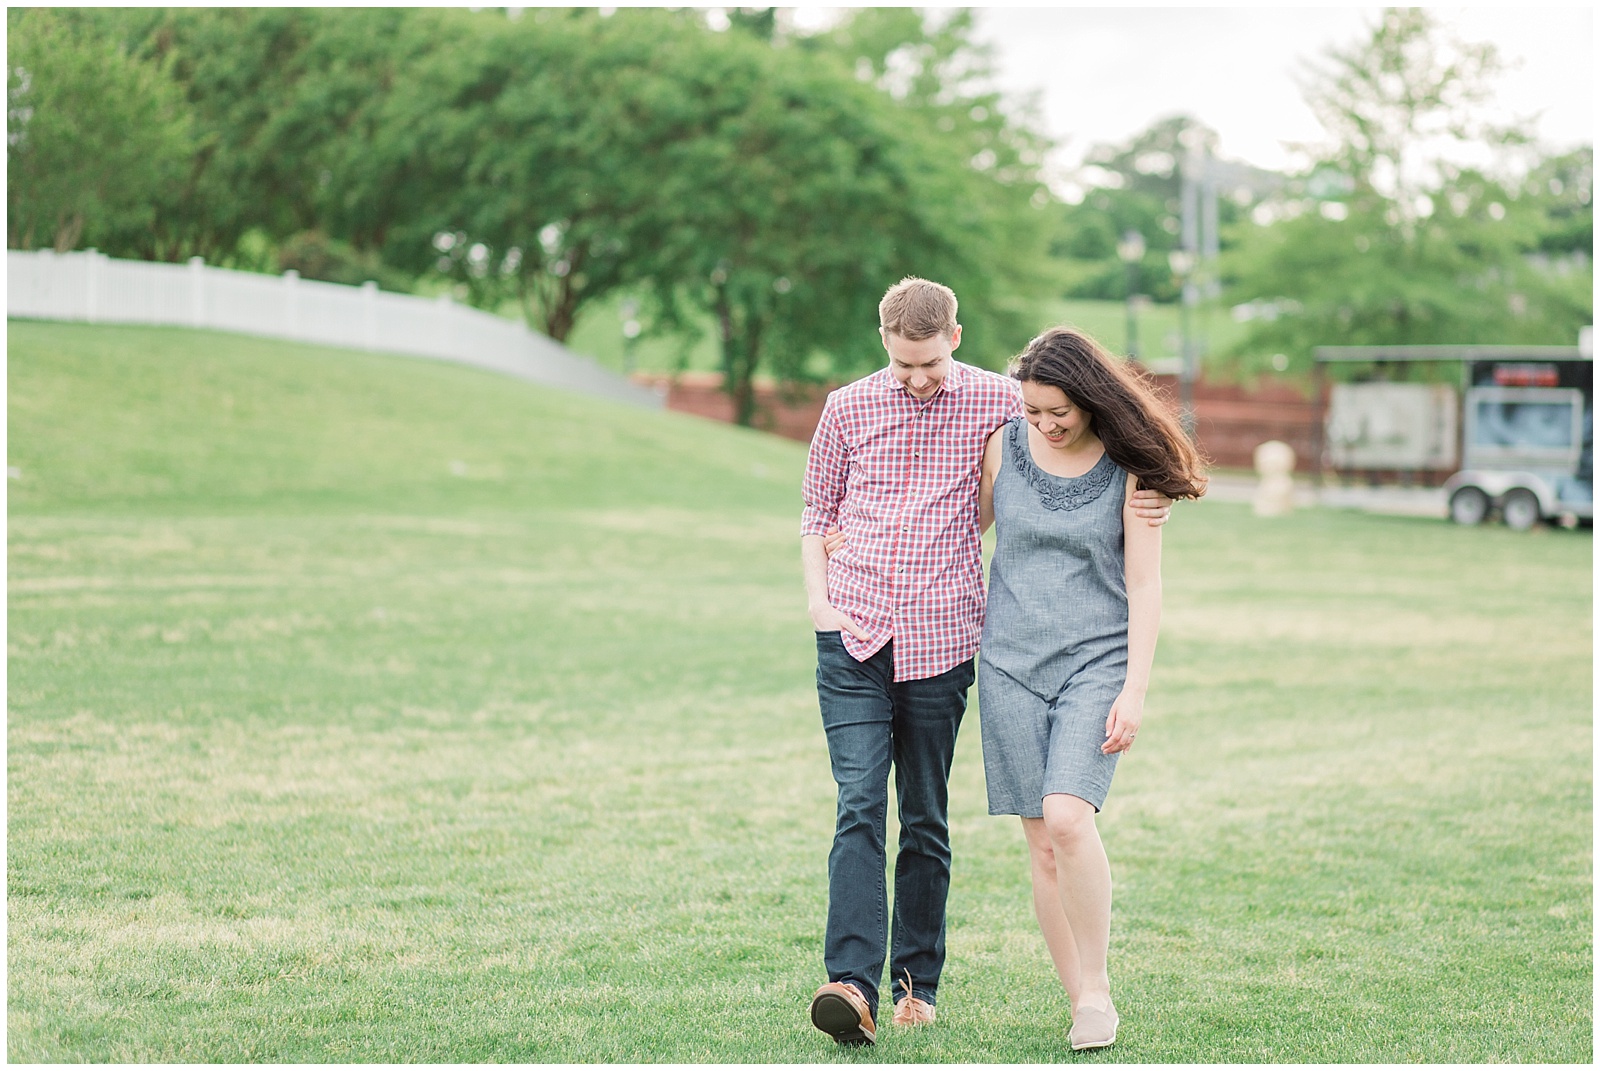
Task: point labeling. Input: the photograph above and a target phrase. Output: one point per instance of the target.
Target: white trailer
(1526, 429)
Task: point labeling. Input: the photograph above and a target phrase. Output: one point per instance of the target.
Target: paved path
(1400, 501)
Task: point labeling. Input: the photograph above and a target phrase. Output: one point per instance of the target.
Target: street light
(1131, 251)
(629, 313)
(1183, 263)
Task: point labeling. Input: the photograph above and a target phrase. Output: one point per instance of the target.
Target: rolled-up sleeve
(826, 465)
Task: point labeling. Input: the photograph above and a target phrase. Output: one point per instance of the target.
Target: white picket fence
(93, 288)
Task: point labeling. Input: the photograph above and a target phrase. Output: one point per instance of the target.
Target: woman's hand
(1122, 724)
(832, 540)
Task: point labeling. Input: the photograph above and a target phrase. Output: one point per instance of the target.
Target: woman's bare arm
(1141, 545)
(991, 469)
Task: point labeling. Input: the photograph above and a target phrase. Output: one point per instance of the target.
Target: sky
(1102, 74)
(1106, 73)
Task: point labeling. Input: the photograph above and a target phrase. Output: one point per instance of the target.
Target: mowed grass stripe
(396, 711)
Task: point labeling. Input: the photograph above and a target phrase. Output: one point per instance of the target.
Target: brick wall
(789, 411)
(1231, 421)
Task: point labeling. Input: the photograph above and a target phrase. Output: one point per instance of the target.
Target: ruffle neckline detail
(1059, 492)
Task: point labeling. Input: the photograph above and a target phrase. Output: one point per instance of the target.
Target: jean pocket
(831, 643)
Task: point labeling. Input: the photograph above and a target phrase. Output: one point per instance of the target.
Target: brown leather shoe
(912, 1010)
(840, 1011)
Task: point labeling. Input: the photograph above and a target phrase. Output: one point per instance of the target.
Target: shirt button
(905, 528)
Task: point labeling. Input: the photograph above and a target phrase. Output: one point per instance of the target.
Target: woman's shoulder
(1010, 436)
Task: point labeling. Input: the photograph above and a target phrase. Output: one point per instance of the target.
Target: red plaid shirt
(900, 478)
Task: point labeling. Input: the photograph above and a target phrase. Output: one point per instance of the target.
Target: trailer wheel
(1469, 505)
(1520, 510)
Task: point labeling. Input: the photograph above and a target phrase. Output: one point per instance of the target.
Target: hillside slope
(139, 419)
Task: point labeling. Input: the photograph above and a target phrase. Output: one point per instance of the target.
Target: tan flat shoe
(1093, 1028)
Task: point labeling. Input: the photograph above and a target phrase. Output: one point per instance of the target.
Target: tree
(747, 176)
(1137, 186)
(973, 161)
(536, 150)
(283, 100)
(1395, 106)
(1560, 190)
(1388, 237)
(771, 182)
(94, 133)
(787, 206)
(825, 170)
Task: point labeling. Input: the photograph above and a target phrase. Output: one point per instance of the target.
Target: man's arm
(824, 616)
(823, 489)
(1153, 506)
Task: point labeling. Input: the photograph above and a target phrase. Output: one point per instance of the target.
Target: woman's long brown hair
(1131, 421)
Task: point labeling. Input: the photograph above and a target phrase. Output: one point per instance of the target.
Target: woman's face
(1063, 425)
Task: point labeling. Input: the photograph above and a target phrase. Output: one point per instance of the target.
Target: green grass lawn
(372, 709)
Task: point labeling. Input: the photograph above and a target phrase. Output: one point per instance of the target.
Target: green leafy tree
(534, 154)
(281, 101)
(358, 64)
(825, 170)
(788, 202)
(972, 162)
(94, 133)
(1137, 186)
(768, 182)
(747, 178)
(1385, 239)
(231, 67)
(1560, 190)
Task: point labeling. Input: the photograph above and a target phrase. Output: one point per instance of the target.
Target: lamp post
(1130, 250)
(629, 313)
(1183, 265)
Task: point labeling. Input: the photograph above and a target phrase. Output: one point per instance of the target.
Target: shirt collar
(952, 383)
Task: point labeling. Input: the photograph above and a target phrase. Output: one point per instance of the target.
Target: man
(895, 463)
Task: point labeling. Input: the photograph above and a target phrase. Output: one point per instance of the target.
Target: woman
(1070, 630)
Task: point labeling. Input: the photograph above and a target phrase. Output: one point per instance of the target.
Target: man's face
(920, 366)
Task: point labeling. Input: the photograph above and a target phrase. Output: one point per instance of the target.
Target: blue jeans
(874, 723)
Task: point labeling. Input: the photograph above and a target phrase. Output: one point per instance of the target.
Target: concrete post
(1275, 465)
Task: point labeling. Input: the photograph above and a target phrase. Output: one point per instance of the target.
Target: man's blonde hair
(916, 309)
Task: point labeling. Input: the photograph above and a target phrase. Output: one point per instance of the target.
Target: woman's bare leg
(1047, 906)
(1083, 879)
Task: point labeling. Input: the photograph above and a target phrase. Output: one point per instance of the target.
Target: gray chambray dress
(1054, 652)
